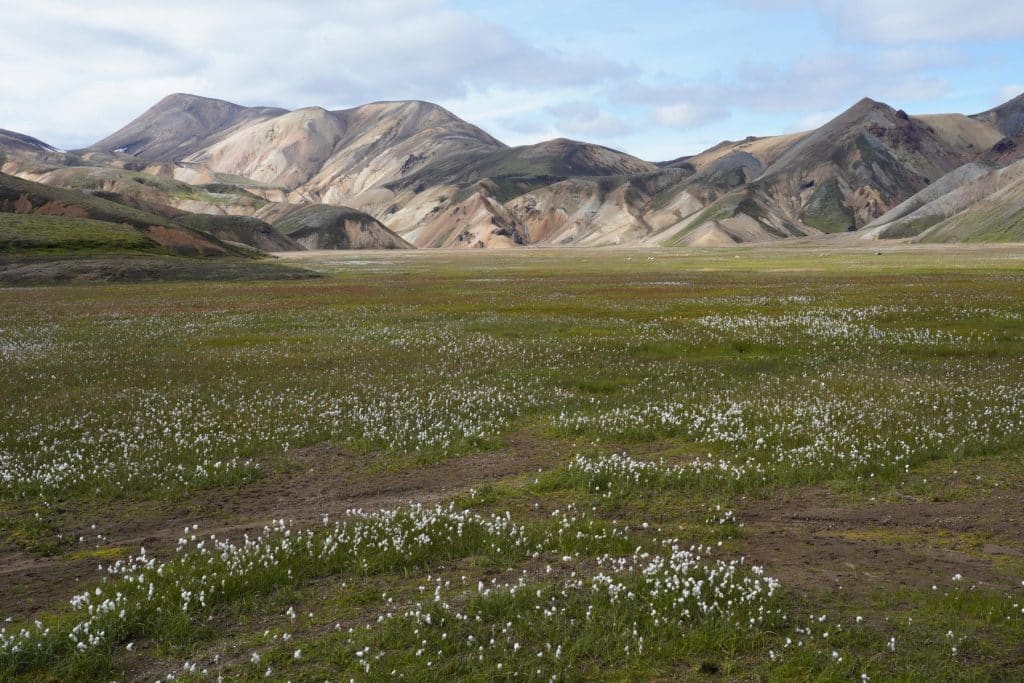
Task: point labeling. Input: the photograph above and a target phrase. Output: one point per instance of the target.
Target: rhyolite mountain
(179, 125)
(413, 172)
(982, 201)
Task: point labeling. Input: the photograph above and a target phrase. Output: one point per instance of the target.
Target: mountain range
(404, 174)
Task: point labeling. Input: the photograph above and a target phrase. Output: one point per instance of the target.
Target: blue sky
(657, 79)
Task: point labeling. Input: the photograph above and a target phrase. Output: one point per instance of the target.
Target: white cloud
(899, 22)
(822, 83)
(685, 115)
(530, 128)
(829, 81)
(902, 21)
(73, 72)
(910, 58)
(585, 119)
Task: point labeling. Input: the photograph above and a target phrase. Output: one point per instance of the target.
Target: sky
(659, 79)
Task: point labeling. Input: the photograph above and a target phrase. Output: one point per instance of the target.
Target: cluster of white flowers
(26, 344)
(408, 419)
(194, 441)
(834, 325)
(864, 432)
(640, 596)
(208, 571)
(153, 432)
(602, 472)
(173, 433)
(720, 517)
(157, 442)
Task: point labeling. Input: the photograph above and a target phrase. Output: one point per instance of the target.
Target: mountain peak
(863, 108)
(184, 99)
(867, 103)
(415, 110)
(555, 143)
(862, 163)
(410, 107)
(404, 118)
(171, 129)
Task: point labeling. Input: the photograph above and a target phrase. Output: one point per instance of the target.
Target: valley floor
(774, 463)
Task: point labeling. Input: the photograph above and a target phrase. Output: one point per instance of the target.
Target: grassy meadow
(737, 464)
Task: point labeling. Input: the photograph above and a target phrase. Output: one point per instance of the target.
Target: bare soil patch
(812, 541)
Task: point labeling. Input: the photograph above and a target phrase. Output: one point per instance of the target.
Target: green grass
(35, 234)
(733, 379)
(245, 230)
(146, 187)
(23, 196)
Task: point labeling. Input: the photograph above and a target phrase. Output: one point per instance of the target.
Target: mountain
(345, 152)
(24, 153)
(980, 201)
(1008, 117)
(529, 165)
(307, 156)
(414, 166)
(448, 179)
(476, 200)
(50, 235)
(858, 165)
(838, 178)
(411, 171)
(204, 208)
(246, 230)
